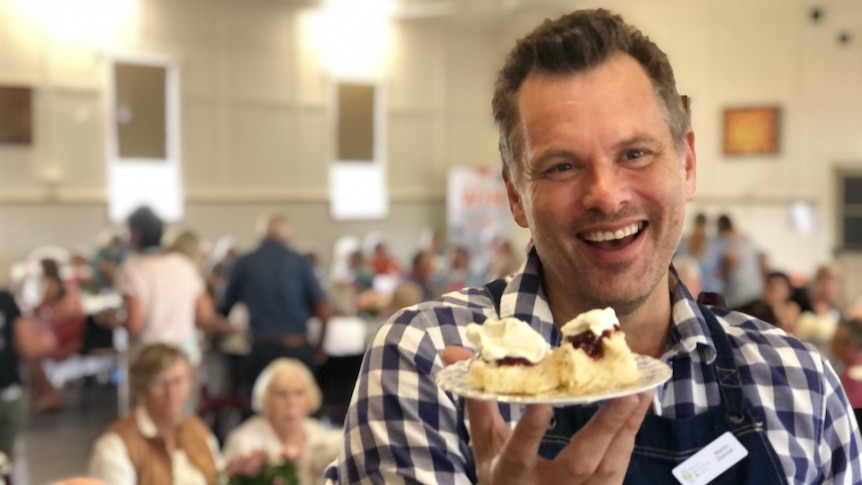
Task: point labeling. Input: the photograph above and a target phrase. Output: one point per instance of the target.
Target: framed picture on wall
(16, 115)
(752, 130)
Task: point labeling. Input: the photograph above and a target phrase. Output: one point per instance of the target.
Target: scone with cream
(512, 358)
(593, 355)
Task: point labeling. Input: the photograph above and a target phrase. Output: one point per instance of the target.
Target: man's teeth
(600, 236)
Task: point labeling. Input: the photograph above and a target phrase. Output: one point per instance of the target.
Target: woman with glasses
(157, 443)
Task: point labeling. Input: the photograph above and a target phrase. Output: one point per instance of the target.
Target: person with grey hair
(280, 290)
(284, 396)
(157, 443)
(599, 162)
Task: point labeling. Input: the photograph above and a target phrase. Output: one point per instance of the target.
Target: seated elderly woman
(285, 394)
(156, 443)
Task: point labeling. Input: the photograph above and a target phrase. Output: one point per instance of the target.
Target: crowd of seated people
(167, 375)
(281, 418)
(807, 306)
(164, 289)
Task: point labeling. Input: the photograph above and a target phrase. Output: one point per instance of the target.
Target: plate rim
(560, 399)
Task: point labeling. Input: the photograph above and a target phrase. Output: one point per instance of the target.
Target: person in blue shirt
(707, 250)
(278, 286)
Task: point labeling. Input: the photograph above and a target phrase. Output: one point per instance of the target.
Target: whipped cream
(509, 337)
(596, 321)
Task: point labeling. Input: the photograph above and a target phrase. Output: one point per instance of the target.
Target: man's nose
(607, 189)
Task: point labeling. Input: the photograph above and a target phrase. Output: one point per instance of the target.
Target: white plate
(653, 373)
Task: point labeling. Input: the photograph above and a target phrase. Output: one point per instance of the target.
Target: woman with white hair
(285, 395)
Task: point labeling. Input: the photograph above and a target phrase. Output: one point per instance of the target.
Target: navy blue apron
(663, 443)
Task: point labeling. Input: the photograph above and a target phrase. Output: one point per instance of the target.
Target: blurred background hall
(357, 134)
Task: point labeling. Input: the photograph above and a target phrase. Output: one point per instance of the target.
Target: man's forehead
(613, 101)
(618, 76)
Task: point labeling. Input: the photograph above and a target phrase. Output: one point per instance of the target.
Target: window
(357, 176)
(140, 111)
(355, 138)
(143, 136)
(850, 211)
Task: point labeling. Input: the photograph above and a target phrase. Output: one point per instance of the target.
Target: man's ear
(690, 165)
(515, 204)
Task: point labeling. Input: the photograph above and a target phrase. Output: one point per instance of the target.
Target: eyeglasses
(165, 382)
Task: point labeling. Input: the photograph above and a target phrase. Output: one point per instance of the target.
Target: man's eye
(561, 167)
(634, 154)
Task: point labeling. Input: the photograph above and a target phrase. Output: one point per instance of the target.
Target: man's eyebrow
(554, 153)
(637, 139)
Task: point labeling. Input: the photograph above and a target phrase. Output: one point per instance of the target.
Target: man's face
(602, 186)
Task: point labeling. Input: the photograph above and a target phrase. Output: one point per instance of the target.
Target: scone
(593, 355)
(512, 358)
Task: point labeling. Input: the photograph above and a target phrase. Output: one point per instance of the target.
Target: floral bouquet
(257, 469)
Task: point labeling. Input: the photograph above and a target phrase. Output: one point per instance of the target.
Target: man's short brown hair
(573, 43)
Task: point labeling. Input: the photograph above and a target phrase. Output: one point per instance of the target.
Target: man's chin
(622, 303)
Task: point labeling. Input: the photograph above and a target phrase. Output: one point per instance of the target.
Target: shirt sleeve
(839, 446)
(110, 462)
(401, 427)
(125, 281)
(197, 280)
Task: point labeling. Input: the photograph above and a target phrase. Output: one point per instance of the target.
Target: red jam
(513, 361)
(590, 342)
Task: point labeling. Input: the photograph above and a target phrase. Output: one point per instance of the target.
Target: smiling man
(599, 161)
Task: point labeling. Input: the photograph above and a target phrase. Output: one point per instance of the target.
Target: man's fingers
(488, 431)
(619, 451)
(518, 458)
(453, 353)
(588, 447)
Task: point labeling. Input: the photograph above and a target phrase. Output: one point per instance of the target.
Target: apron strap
(728, 377)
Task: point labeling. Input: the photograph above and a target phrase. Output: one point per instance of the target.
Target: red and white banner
(477, 211)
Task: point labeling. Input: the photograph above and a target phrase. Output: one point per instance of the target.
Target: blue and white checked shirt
(402, 428)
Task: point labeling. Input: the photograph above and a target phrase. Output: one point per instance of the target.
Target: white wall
(255, 107)
(742, 53)
(255, 121)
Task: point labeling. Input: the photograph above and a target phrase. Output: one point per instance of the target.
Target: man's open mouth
(613, 239)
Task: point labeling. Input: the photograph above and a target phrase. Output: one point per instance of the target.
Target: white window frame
(133, 182)
(358, 188)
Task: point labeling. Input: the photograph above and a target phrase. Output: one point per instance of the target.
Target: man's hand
(598, 453)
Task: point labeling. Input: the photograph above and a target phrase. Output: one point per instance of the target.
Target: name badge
(710, 462)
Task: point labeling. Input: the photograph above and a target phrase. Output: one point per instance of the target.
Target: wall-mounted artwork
(751, 131)
(16, 115)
